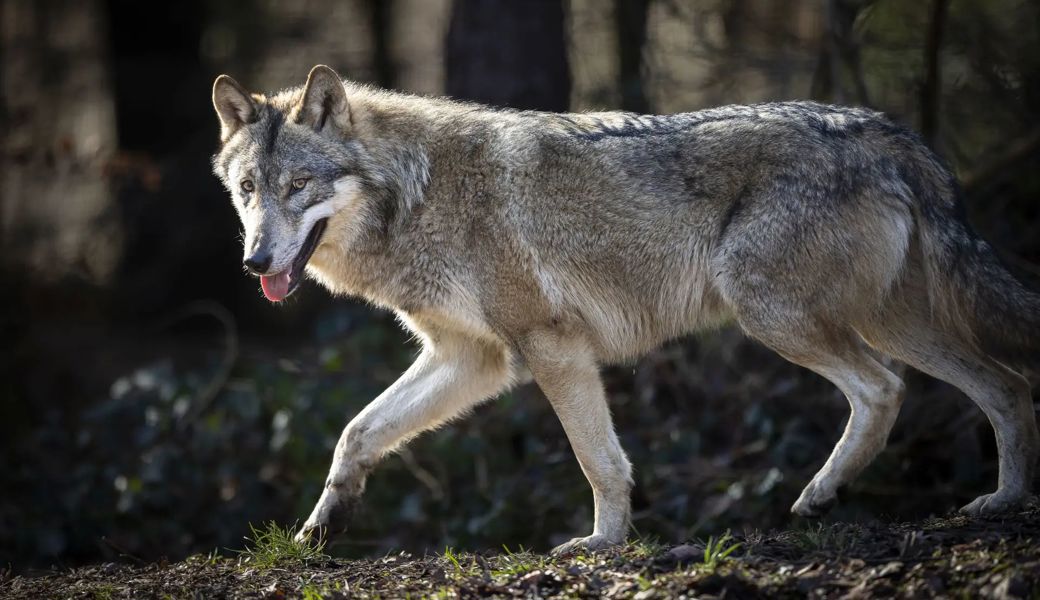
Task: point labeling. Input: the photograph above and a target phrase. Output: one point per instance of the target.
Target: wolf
(533, 245)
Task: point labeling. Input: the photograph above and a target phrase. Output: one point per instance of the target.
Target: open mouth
(280, 286)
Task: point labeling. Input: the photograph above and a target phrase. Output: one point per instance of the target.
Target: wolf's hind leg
(449, 377)
(907, 332)
(565, 369)
(874, 393)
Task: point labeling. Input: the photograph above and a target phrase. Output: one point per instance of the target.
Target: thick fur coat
(528, 244)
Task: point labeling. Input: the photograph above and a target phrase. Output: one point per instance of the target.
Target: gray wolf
(531, 245)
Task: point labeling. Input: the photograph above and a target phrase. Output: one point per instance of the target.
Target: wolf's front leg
(565, 369)
(451, 375)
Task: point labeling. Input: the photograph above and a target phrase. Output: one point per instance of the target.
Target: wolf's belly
(629, 315)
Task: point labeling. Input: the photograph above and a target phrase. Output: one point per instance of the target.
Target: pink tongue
(276, 287)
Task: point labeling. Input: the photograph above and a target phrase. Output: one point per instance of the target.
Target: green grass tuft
(836, 539)
(456, 562)
(644, 547)
(512, 563)
(105, 591)
(271, 545)
(717, 550)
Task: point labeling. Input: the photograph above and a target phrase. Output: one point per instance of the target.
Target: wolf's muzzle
(259, 262)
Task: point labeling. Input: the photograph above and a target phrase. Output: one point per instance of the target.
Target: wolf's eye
(247, 186)
(299, 183)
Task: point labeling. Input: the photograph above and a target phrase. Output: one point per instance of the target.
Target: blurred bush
(721, 435)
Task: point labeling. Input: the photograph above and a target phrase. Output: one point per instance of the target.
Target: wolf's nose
(259, 263)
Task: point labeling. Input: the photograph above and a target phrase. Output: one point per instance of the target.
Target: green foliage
(512, 563)
(310, 592)
(450, 556)
(644, 547)
(717, 550)
(104, 591)
(456, 560)
(834, 539)
(325, 592)
(644, 582)
(503, 475)
(272, 545)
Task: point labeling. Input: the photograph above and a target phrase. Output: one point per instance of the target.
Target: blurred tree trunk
(755, 58)
(839, 74)
(630, 18)
(58, 118)
(380, 14)
(509, 53)
(351, 36)
(931, 89)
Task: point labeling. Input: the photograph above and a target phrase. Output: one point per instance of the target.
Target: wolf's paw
(328, 519)
(995, 503)
(311, 533)
(590, 543)
(814, 502)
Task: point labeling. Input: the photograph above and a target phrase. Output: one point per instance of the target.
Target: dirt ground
(953, 557)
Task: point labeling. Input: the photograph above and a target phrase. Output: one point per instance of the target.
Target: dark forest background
(154, 404)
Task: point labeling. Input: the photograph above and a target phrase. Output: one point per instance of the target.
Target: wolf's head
(296, 173)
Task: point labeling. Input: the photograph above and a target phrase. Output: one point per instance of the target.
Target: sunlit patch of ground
(947, 557)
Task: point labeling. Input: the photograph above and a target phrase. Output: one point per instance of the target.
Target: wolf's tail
(971, 290)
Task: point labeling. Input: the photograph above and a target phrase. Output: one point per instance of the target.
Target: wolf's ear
(324, 101)
(234, 105)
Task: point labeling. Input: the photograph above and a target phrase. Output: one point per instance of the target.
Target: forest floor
(952, 557)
